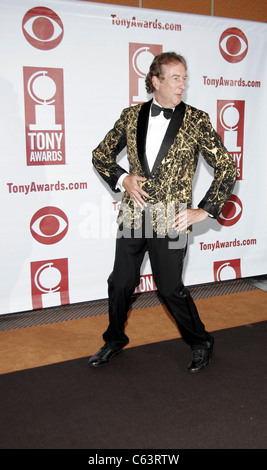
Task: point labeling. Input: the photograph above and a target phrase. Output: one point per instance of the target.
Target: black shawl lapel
(172, 131)
(142, 126)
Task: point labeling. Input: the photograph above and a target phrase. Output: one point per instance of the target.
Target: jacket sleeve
(217, 156)
(104, 156)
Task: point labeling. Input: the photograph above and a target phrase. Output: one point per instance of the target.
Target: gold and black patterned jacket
(169, 184)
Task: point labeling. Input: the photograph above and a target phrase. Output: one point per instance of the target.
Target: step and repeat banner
(68, 68)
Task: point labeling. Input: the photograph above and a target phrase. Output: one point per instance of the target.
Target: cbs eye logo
(49, 225)
(233, 45)
(42, 28)
(231, 212)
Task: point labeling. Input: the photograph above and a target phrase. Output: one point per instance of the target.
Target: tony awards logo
(228, 269)
(230, 126)
(49, 283)
(44, 116)
(140, 58)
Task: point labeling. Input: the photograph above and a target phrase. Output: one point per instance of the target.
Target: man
(163, 147)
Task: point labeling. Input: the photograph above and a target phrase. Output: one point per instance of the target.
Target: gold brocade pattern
(170, 186)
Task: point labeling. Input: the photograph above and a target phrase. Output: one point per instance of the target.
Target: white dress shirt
(157, 127)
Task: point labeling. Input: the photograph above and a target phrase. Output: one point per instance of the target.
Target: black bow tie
(156, 110)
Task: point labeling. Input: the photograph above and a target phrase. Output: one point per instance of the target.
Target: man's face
(169, 91)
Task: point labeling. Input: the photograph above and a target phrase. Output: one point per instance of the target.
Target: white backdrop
(67, 70)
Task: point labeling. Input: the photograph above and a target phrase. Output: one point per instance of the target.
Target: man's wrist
(120, 181)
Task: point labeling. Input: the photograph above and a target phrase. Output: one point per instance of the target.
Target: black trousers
(167, 267)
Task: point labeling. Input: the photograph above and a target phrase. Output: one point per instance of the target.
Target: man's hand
(130, 184)
(188, 217)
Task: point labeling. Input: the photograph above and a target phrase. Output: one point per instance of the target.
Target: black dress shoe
(103, 356)
(201, 357)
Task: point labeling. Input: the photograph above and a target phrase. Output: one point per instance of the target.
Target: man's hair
(155, 68)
